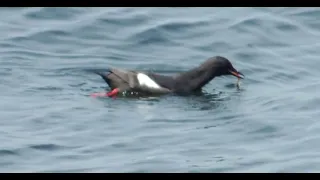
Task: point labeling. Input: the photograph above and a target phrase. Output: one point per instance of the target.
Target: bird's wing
(127, 80)
(164, 81)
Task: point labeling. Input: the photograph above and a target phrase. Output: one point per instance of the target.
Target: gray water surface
(49, 123)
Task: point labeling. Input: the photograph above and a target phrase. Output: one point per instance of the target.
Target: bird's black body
(183, 83)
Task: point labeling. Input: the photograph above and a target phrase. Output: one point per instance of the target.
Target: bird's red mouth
(236, 74)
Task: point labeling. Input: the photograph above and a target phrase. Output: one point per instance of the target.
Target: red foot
(112, 93)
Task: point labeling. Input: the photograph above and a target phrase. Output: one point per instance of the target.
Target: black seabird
(121, 80)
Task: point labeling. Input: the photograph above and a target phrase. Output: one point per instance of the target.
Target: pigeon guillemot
(121, 80)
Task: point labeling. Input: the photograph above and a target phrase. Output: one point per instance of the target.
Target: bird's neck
(196, 78)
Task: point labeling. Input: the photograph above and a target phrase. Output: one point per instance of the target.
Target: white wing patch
(144, 80)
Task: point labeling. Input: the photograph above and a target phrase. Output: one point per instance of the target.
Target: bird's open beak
(237, 74)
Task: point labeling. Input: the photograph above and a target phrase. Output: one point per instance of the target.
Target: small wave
(51, 13)
(6, 152)
(46, 147)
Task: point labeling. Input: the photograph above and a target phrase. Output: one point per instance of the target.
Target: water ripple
(49, 123)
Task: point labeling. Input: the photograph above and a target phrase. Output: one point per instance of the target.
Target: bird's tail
(103, 73)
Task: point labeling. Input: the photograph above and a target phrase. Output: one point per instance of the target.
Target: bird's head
(222, 66)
